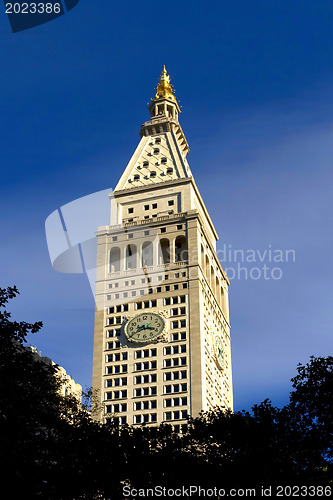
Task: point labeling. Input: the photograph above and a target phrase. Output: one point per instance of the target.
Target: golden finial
(164, 87)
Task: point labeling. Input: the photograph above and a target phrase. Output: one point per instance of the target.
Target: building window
(130, 210)
(154, 206)
(146, 207)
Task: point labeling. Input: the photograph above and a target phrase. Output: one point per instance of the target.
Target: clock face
(218, 350)
(144, 327)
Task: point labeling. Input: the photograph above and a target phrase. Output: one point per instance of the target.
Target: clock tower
(162, 333)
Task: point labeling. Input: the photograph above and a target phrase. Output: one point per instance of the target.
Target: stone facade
(159, 256)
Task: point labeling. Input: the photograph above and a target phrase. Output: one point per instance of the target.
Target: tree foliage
(50, 447)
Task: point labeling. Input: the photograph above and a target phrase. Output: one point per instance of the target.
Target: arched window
(217, 290)
(147, 254)
(202, 258)
(164, 257)
(212, 278)
(131, 257)
(181, 253)
(222, 298)
(207, 270)
(114, 265)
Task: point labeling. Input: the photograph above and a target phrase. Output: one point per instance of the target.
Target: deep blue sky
(255, 83)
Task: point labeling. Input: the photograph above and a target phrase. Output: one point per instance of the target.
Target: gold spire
(164, 87)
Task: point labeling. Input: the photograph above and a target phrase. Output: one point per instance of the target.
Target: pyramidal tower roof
(161, 153)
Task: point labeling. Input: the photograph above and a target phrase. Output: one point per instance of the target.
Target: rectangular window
(130, 210)
(146, 207)
(154, 206)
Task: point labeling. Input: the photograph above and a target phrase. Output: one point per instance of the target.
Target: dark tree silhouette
(50, 447)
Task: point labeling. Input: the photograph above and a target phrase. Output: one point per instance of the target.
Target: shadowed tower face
(162, 333)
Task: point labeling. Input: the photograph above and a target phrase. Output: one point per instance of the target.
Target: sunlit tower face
(162, 333)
